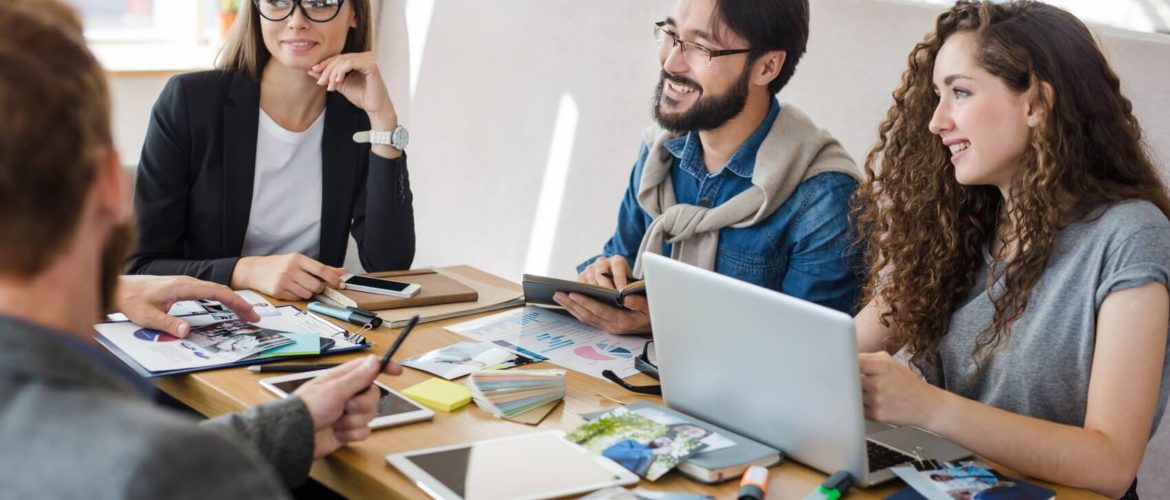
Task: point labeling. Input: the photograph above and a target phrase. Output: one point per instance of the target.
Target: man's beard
(113, 261)
(708, 112)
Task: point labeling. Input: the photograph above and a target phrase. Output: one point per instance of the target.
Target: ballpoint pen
(291, 367)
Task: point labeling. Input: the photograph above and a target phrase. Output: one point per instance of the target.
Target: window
(152, 35)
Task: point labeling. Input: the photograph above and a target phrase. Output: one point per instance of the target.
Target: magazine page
(212, 342)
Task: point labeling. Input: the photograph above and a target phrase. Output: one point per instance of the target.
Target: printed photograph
(645, 447)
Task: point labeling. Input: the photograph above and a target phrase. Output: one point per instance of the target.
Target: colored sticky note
(303, 343)
(439, 394)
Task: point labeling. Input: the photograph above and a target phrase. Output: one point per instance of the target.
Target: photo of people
(235, 339)
(645, 447)
(966, 481)
(711, 440)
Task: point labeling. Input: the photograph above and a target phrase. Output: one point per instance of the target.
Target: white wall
(494, 76)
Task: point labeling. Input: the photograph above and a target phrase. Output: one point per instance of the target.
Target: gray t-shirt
(1043, 370)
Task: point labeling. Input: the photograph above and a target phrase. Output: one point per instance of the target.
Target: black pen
(397, 343)
(296, 368)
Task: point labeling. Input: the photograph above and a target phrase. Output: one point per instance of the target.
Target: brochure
(215, 342)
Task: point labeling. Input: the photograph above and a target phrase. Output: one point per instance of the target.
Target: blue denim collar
(686, 148)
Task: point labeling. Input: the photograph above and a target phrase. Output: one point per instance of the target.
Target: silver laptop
(776, 368)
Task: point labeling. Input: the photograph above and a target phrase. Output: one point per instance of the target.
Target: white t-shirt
(286, 194)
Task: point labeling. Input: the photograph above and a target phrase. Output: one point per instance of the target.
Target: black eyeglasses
(646, 363)
(695, 53)
(319, 11)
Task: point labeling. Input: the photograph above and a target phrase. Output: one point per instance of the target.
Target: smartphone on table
(381, 286)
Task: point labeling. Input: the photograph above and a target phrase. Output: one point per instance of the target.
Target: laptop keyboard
(882, 457)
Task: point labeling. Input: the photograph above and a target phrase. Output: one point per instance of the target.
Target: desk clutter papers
(935, 480)
(216, 342)
(561, 339)
(197, 307)
(509, 394)
(643, 446)
(439, 394)
(457, 360)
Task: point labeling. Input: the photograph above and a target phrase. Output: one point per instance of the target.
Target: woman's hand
(287, 277)
(893, 394)
(356, 76)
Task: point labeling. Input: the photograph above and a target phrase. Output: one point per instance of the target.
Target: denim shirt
(803, 249)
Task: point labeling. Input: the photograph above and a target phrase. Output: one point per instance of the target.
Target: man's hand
(146, 300)
(287, 277)
(610, 272)
(634, 319)
(342, 402)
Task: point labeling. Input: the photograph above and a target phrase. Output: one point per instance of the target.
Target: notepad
(304, 344)
(439, 394)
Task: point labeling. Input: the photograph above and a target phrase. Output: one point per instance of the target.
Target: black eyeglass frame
(305, 12)
(660, 27)
(644, 365)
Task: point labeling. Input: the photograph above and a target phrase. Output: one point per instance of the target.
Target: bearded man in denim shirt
(729, 179)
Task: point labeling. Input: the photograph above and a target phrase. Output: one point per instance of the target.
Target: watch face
(401, 137)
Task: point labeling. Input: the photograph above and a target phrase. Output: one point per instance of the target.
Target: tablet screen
(535, 465)
(388, 403)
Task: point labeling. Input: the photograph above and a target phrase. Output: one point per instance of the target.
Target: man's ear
(111, 189)
(768, 66)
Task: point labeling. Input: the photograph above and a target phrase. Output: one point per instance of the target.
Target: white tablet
(540, 465)
(393, 408)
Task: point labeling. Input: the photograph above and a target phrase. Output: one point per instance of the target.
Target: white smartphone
(393, 408)
(381, 286)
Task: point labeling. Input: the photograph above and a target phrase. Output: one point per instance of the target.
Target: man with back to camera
(728, 179)
(74, 421)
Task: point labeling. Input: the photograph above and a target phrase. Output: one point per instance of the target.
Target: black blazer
(194, 188)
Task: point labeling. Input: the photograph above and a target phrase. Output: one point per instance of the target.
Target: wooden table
(361, 471)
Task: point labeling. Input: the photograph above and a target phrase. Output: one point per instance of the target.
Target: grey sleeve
(190, 462)
(280, 431)
(1141, 258)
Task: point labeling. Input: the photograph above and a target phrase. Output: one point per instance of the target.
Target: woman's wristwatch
(397, 138)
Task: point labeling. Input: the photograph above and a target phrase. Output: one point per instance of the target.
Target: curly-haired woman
(1019, 251)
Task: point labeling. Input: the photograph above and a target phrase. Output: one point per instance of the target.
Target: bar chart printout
(562, 339)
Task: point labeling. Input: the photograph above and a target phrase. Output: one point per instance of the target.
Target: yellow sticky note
(439, 394)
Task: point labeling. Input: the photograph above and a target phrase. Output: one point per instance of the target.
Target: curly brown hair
(925, 232)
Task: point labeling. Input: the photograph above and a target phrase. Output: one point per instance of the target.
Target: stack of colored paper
(508, 393)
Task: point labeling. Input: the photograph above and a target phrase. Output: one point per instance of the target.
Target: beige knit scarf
(794, 150)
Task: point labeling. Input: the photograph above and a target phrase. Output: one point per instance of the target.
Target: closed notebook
(435, 289)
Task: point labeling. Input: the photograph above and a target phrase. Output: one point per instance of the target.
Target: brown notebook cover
(436, 289)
